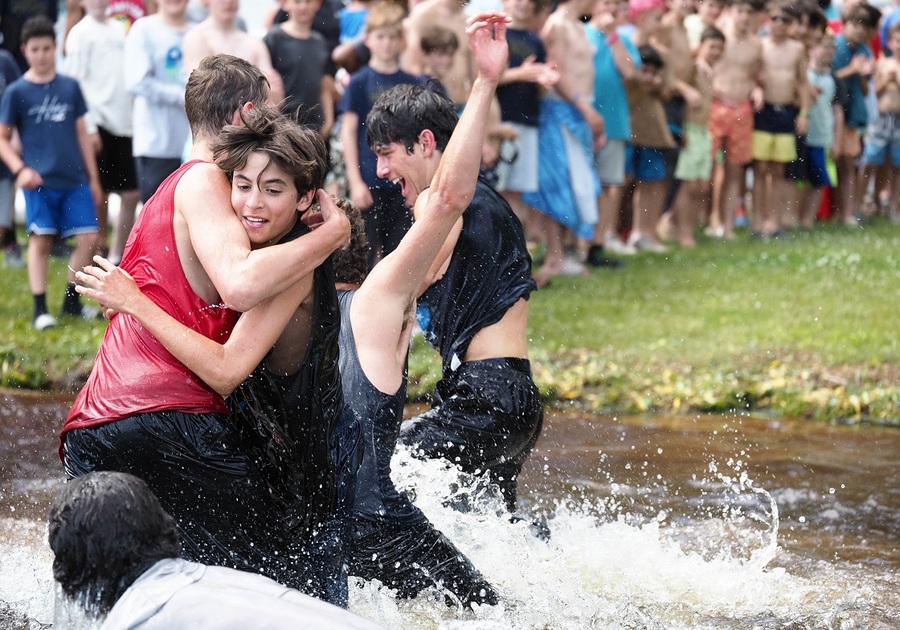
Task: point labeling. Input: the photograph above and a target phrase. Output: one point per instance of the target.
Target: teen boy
(58, 169)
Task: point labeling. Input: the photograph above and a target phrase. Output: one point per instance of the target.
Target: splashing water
(640, 538)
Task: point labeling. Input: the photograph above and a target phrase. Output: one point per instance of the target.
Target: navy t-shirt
(365, 87)
(520, 101)
(45, 115)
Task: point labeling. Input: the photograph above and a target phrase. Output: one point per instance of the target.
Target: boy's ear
(428, 142)
(306, 200)
(236, 119)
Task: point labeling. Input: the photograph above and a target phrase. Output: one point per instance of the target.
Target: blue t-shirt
(520, 101)
(45, 115)
(352, 23)
(9, 72)
(610, 98)
(850, 90)
(364, 88)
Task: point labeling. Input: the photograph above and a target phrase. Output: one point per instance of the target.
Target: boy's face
(302, 11)
(440, 62)
(894, 44)
(223, 10)
(406, 168)
(519, 10)
(742, 16)
(709, 11)
(95, 8)
(711, 51)
(823, 53)
(799, 28)
(265, 199)
(40, 53)
(813, 37)
(855, 32)
(682, 7)
(172, 8)
(779, 23)
(385, 44)
(650, 21)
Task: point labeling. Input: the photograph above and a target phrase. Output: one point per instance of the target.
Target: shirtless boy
(448, 14)
(736, 94)
(779, 120)
(219, 34)
(570, 130)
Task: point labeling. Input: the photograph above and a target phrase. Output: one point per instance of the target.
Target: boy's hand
(533, 72)
(757, 98)
(29, 179)
(109, 285)
(361, 196)
(801, 124)
(486, 33)
(605, 23)
(329, 215)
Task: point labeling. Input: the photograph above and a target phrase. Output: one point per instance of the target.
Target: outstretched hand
(486, 32)
(109, 285)
(330, 214)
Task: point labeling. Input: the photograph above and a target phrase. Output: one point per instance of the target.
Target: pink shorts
(731, 127)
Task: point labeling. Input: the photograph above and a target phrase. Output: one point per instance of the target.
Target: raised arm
(221, 366)
(390, 289)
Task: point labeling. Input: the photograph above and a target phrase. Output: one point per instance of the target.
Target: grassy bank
(801, 326)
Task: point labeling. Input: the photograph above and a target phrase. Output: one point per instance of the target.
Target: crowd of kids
(617, 126)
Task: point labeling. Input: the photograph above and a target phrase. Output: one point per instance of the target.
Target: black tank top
(377, 417)
(490, 269)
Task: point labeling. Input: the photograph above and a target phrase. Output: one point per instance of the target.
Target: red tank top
(133, 373)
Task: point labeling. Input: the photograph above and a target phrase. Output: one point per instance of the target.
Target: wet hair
(219, 87)
(711, 32)
(298, 151)
(439, 40)
(37, 26)
(351, 264)
(105, 530)
(650, 57)
(385, 14)
(403, 112)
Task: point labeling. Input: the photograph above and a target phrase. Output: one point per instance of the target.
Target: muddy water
(682, 522)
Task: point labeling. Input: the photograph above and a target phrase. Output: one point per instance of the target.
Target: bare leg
(124, 223)
(39, 246)
(782, 195)
(102, 209)
(731, 196)
(648, 204)
(715, 221)
(762, 197)
(846, 190)
(812, 197)
(82, 255)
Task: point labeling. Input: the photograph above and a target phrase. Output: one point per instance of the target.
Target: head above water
(105, 530)
(219, 87)
(297, 150)
(403, 112)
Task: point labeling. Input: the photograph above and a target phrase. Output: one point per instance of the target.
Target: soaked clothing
(390, 539)
(251, 486)
(133, 373)
(487, 415)
(489, 271)
(179, 595)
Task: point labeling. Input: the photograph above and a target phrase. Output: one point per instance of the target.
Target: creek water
(656, 522)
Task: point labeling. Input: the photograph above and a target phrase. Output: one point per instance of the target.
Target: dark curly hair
(105, 530)
(351, 264)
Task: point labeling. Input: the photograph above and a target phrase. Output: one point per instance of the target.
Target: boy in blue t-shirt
(57, 170)
(9, 72)
(381, 202)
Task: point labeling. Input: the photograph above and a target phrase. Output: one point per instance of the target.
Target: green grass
(805, 325)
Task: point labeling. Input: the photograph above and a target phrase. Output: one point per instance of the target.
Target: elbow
(239, 298)
(447, 197)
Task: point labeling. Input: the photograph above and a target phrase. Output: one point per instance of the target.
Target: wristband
(612, 39)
